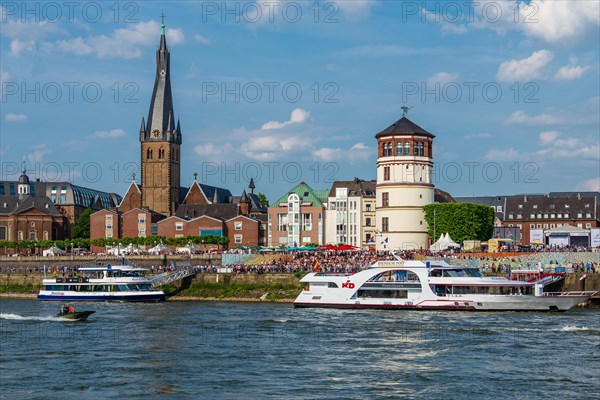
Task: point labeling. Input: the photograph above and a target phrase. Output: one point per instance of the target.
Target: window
(386, 173)
(385, 224)
(588, 226)
(552, 226)
(532, 226)
(519, 216)
(545, 226)
(553, 215)
(520, 206)
(552, 206)
(532, 216)
(539, 226)
(2, 233)
(238, 226)
(399, 148)
(45, 235)
(20, 235)
(406, 148)
(567, 206)
(579, 215)
(421, 149)
(385, 199)
(588, 215)
(368, 221)
(368, 206)
(498, 208)
(237, 239)
(535, 206)
(587, 205)
(415, 149)
(179, 226)
(511, 216)
(142, 232)
(32, 235)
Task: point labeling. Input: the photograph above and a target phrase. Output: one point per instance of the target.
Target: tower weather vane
(405, 110)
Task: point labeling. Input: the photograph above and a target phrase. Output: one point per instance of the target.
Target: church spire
(161, 113)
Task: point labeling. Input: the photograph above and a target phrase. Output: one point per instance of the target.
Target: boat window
(395, 276)
(332, 285)
(383, 294)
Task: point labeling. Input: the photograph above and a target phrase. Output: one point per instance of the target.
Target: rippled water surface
(191, 350)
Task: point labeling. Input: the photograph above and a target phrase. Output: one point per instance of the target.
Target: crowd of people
(349, 262)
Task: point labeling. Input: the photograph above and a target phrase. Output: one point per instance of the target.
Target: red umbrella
(345, 247)
(327, 247)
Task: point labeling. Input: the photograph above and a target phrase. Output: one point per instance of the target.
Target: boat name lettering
(348, 285)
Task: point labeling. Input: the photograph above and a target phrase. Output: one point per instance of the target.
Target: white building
(404, 184)
(349, 218)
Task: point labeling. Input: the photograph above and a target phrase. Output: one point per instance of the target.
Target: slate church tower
(160, 139)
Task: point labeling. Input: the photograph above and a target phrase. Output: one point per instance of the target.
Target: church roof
(13, 205)
(222, 195)
(403, 126)
(220, 211)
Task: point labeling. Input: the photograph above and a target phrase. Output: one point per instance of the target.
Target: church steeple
(160, 139)
(161, 106)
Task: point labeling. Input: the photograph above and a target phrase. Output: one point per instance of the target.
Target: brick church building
(159, 205)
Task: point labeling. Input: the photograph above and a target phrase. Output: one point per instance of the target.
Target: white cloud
(38, 153)
(10, 117)
(569, 72)
(201, 39)
(525, 69)
(555, 149)
(355, 9)
(505, 155)
(298, 116)
(442, 78)
(520, 118)
(112, 134)
(548, 137)
(18, 47)
(121, 43)
(589, 185)
(357, 153)
(549, 20)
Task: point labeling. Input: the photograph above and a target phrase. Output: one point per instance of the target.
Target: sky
(290, 91)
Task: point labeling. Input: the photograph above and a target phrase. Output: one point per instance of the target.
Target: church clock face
(156, 134)
(162, 72)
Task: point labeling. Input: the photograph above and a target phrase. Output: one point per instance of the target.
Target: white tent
(53, 251)
(159, 248)
(188, 248)
(443, 243)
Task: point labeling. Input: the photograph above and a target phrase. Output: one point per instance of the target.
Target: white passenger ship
(103, 283)
(430, 285)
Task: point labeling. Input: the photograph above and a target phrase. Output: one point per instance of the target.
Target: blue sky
(287, 91)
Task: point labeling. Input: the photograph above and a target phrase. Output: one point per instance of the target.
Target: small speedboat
(68, 312)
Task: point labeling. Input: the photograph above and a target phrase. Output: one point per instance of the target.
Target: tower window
(149, 154)
(385, 199)
(406, 148)
(386, 173)
(399, 148)
(421, 149)
(416, 149)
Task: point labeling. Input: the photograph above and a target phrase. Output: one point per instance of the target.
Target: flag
(315, 266)
(385, 241)
(371, 240)
(583, 277)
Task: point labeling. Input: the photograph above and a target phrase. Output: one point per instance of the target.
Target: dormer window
(535, 206)
(520, 206)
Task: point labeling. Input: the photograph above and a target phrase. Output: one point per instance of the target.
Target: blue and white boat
(102, 283)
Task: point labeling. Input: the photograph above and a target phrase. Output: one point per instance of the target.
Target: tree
(81, 230)
(463, 221)
(263, 199)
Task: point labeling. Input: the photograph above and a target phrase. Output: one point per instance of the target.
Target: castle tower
(160, 141)
(404, 184)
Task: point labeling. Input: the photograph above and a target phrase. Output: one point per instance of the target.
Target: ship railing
(587, 293)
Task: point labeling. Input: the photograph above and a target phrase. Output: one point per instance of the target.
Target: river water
(193, 350)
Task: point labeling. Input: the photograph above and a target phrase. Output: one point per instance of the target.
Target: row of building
(349, 212)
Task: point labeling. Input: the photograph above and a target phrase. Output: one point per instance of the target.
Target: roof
(13, 205)
(256, 205)
(223, 195)
(566, 229)
(403, 126)
(356, 187)
(220, 211)
(307, 195)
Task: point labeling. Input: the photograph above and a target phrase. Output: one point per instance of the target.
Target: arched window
(415, 148)
(421, 149)
(406, 148)
(398, 148)
(149, 154)
(161, 154)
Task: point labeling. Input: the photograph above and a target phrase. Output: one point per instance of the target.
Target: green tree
(463, 221)
(263, 199)
(81, 230)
